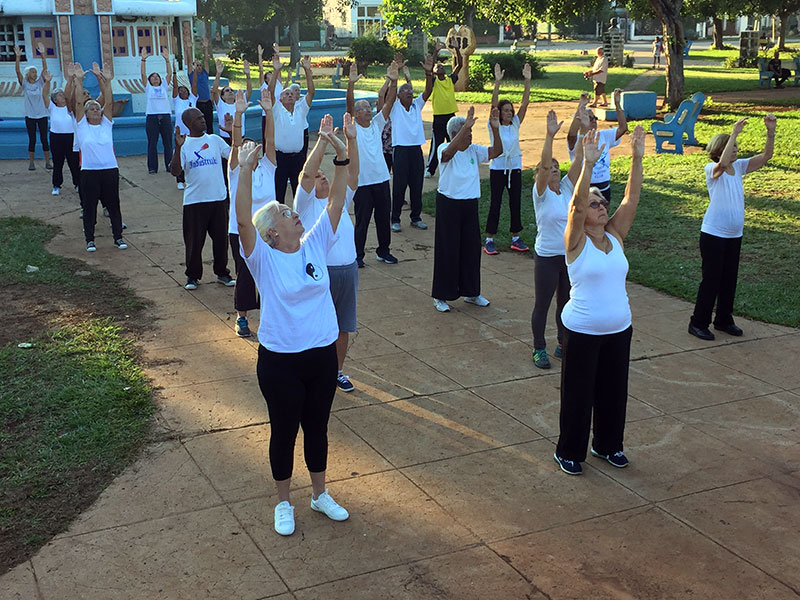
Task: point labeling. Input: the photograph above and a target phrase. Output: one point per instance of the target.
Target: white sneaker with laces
(327, 505)
(441, 305)
(56, 191)
(181, 186)
(477, 300)
(284, 518)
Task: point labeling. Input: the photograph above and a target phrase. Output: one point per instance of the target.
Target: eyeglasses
(286, 213)
(598, 203)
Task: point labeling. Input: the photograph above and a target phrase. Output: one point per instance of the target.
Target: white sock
(340, 373)
(514, 238)
(488, 239)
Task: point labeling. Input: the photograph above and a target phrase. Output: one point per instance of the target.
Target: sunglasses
(598, 204)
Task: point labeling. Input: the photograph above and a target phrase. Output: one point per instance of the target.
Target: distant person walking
(658, 48)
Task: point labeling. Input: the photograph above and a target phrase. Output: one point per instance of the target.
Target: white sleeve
(740, 166)
(481, 153)
(224, 149)
(303, 200)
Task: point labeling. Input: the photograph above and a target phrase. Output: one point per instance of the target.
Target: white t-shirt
(551, 218)
(511, 158)
(407, 124)
(75, 146)
(601, 172)
(223, 108)
(96, 143)
(725, 213)
(289, 126)
(33, 101)
(263, 189)
(61, 120)
(201, 159)
(309, 207)
(297, 311)
(180, 105)
(459, 178)
(278, 90)
(600, 64)
(372, 164)
(158, 99)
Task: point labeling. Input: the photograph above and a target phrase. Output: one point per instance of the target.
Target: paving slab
(20, 583)
(768, 360)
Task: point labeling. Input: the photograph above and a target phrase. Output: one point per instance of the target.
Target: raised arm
(215, 89)
(276, 71)
(621, 222)
(144, 68)
(193, 80)
(260, 51)
(43, 55)
(352, 153)
(622, 122)
(17, 58)
(574, 234)
(498, 77)
(526, 93)
(205, 55)
(461, 139)
(428, 67)
(69, 87)
(759, 160)
(546, 164)
(175, 85)
(338, 191)
(78, 75)
(391, 91)
(248, 159)
(314, 160)
(496, 149)
(269, 126)
(104, 78)
(240, 105)
(165, 56)
(726, 158)
(47, 78)
(306, 64)
(575, 125)
(577, 161)
(248, 81)
(175, 166)
(350, 96)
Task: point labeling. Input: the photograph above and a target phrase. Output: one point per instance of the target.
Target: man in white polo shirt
(289, 115)
(373, 177)
(407, 138)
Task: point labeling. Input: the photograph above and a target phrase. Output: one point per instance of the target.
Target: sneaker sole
(244, 335)
(519, 249)
(558, 462)
(322, 512)
(490, 253)
(383, 260)
(346, 390)
(542, 366)
(605, 458)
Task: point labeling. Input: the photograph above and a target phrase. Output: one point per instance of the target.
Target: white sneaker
(56, 191)
(284, 518)
(428, 174)
(441, 305)
(325, 504)
(477, 300)
(181, 186)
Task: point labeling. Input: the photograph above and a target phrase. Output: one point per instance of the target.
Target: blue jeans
(156, 125)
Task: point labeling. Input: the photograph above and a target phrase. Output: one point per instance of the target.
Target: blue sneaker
(570, 467)
(617, 459)
(490, 248)
(387, 258)
(242, 328)
(540, 358)
(559, 351)
(519, 246)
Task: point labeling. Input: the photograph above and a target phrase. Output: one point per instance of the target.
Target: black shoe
(387, 258)
(731, 329)
(360, 263)
(703, 334)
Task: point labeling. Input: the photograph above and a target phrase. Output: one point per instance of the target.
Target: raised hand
(246, 68)
(356, 78)
(494, 118)
(46, 76)
(326, 126)
(349, 127)
(228, 121)
(438, 44)
(427, 64)
(107, 73)
(392, 72)
(770, 121)
(248, 155)
(583, 117)
(406, 72)
(145, 55)
(526, 72)
(78, 71)
(17, 51)
(739, 125)
(220, 67)
(471, 119)
(266, 100)
(498, 72)
(179, 138)
(306, 63)
(165, 54)
(276, 57)
(198, 68)
(96, 69)
(260, 50)
(553, 125)
(241, 103)
(584, 99)
(69, 70)
(637, 142)
(617, 97)
(40, 48)
(398, 58)
(591, 153)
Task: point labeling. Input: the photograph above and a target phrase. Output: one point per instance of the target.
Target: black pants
(409, 172)
(155, 126)
(287, 166)
(594, 379)
(368, 199)
(720, 274)
(549, 277)
(199, 219)
(62, 151)
(440, 136)
(31, 125)
(499, 181)
(207, 108)
(299, 389)
(457, 249)
(244, 294)
(103, 186)
(781, 77)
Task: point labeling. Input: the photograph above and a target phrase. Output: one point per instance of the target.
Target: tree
(715, 10)
(783, 9)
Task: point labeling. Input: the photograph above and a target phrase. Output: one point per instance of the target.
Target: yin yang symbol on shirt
(314, 272)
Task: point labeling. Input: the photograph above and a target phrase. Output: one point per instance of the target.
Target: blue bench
(764, 74)
(796, 71)
(686, 48)
(638, 104)
(678, 124)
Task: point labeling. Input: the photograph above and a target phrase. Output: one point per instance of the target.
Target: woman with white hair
(457, 243)
(62, 132)
(298, 329)
(225, 101)
(158, 119)
(35, 111)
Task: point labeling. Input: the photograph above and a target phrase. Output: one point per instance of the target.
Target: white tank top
(598, 300)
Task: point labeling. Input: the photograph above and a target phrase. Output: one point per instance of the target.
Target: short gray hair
(264, 220)
(454, 125)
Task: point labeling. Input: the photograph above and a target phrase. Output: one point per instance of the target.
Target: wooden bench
(519, 44)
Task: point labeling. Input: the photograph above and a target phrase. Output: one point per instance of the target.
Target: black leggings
(100, 185)
(594, 379)
(549, 277)
(288, 166)
(299, 389)
(498, 182)
(245, 297)
(31, 125)
(720, 274)
(456, 249)
(62, 151)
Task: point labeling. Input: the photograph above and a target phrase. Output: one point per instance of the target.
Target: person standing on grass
(598, 74)
(205, 199)
(585, 121)
(505, 171)
(245, 297)
(373, 176)
(597, 318)
(722, 229)
(264, 79)
(99, 169)
(159, 114)
(457, 242)
(62, 132)
(198, 79)
(182, 98)
(408, 136)
(289, 114)
(443, 102)
(225, 101)
(35, 111)
(310, 202)
(658, 48)
(297, 330)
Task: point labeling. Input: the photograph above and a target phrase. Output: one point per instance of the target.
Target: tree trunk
(719, 44)
(669, 13)
(782, 35)
(469, 17)
(294, 37)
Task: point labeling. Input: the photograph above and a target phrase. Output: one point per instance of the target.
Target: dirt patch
(772, 100)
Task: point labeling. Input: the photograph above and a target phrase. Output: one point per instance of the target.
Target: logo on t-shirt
(313, 272)
(201, 160)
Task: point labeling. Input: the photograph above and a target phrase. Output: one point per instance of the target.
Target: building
(351, 20)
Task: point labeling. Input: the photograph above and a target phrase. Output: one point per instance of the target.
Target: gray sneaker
(419, 224)
(396, 227)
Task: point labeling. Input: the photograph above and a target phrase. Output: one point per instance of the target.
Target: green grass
(711, 55)
(710, 79)
(662, 247)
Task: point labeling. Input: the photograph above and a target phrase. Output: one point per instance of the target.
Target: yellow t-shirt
(443, 96)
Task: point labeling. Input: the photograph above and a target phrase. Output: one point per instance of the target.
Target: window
(163, 40)
(10, 34)
(144, 36)
(369, 20)
(119, 40)
(45, 36)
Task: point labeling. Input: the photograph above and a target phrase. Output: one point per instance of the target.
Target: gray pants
(549, 277)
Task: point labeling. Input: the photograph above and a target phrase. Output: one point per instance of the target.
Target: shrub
(512, 63)
(479, 73)
(368, 50)
(737, 62)
(628, 62)
(399, 43)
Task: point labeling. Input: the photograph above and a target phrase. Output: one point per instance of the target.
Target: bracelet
(341, 163)
(237, 126)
